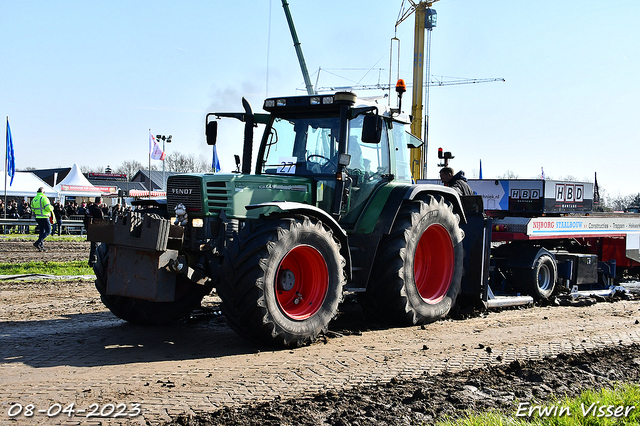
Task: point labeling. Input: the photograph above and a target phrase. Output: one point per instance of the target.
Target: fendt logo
(181, 191)
(569, 193)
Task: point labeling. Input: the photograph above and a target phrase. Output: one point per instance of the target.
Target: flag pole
(150, 147)
(6, 164)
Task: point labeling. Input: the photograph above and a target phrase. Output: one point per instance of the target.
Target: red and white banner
(83, 188)
(154, 149)
(138, 193)
(108, 175)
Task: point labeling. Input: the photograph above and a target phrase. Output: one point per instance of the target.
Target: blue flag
(480, 169)
(11, 161)
(215, 164)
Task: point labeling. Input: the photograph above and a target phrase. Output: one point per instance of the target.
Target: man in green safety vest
(42, 208)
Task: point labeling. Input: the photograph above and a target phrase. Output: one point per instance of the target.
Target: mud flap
(141, 274)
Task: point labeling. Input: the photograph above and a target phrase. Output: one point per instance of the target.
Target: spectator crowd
(20, 209)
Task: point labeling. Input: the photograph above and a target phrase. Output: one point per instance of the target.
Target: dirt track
(23, 251)
(59, 345)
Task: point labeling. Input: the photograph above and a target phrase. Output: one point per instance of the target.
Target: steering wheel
(323, 167)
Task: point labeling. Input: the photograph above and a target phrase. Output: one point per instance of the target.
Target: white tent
(76, 185)
(25, 184)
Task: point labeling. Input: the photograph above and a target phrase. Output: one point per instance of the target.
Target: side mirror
(211, 132)
(372, 129)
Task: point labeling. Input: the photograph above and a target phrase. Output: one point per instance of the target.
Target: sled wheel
(417, 272)
(188, 297)
(282, 280)
(540, 281)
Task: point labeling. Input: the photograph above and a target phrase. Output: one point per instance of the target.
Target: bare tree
(509, 175)
(186, 163)
(88, 169)
(130, 168)
(568, 178)
(619, 202)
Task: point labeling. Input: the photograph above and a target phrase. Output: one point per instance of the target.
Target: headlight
(328, 100)
(197, 223)
(315, 100)
(269, 103)
(281, 102)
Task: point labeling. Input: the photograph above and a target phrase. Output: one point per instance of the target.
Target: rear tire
(137, 311)
(282, 280)
(417, 272)
(540, 281)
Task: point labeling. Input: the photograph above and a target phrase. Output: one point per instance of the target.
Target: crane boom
(296, 44)
(455, 80)
(434, 82)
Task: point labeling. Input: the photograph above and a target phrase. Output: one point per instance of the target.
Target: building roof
(48, 175)
(137, 182)
(156, 177)
(125, 186)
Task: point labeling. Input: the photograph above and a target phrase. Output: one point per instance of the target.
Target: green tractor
(330, 210)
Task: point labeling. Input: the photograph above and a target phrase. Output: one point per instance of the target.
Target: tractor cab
(345, 147)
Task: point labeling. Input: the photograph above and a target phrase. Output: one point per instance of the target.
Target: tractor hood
(208, 195)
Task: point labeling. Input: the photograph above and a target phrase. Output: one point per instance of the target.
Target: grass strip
(33, 237)
(619, 405)
(76, 267)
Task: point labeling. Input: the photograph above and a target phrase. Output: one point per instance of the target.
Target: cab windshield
(309, 146)
(302, 146)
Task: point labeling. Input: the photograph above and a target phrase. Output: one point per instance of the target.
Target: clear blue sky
(83, 81)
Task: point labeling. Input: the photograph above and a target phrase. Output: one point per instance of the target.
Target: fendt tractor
(331, 210)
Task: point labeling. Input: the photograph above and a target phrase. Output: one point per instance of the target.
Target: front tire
(188, 297)
(282, 280)
(417, 272)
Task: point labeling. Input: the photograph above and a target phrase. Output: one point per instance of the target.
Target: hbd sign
(569, 193)
(524, 194)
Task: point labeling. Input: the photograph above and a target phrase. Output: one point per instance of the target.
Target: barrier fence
(68, 226)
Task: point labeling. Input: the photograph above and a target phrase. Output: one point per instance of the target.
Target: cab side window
(369, 163)
(373, 159)
(401, 151)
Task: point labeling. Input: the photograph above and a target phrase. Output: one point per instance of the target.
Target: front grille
(185, 190)
(218, 197)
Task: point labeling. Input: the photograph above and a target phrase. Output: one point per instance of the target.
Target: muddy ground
(12, 251)
(523, 384)
(58, 344)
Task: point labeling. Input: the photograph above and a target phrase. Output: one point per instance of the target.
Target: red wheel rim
(433, 264)
(310, 283)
